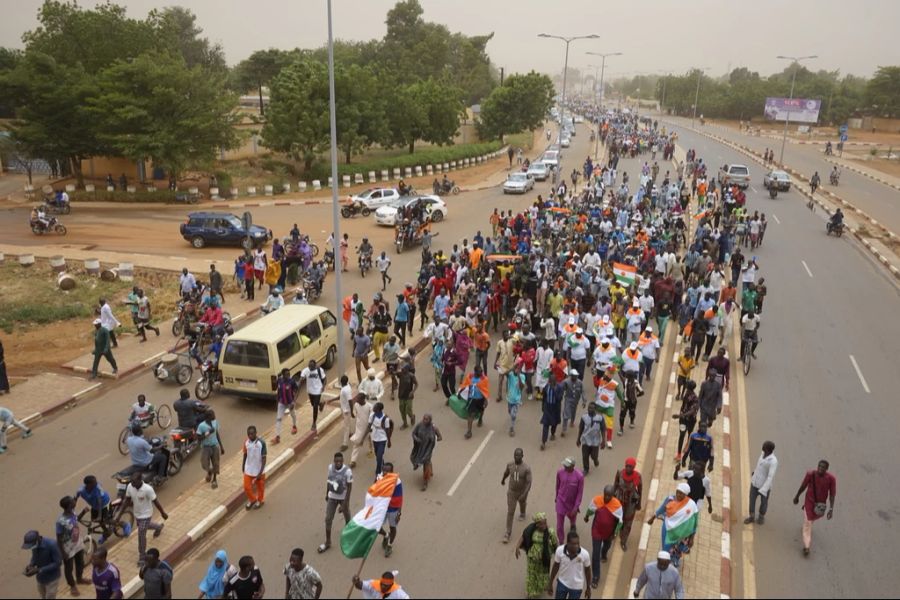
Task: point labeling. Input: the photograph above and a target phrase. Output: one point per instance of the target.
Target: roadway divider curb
(754, 155)
(863, 173)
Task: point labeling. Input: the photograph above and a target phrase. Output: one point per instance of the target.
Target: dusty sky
(852, 37)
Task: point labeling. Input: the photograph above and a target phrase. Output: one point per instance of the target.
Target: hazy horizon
(851, 41)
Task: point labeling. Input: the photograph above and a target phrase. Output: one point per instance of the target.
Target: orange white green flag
(625, 274)
(360, 533)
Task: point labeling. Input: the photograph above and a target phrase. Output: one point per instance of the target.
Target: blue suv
(205, 228)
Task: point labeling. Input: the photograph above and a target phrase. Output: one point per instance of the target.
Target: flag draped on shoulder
(360, 533)
(681, 519)
(625, 274)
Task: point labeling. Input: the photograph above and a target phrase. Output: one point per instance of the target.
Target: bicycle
(120, 527)
(747, 354)
(162, 417)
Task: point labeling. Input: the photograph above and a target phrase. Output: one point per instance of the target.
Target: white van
(253, 357)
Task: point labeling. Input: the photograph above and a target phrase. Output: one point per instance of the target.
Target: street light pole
(787, 117)
(336, 223)
(569, 40)
(697, 94)
(602, 72)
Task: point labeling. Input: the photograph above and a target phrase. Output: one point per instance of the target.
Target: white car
(376, 197)
(518, 183)
(565, 142)
(434, 207)
(538, 171)
(551, 159)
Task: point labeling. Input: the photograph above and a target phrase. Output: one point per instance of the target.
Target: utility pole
(336, 222)
(602, 72)
(501, 76)
(697, 94)
(795, 60)
(569, 40)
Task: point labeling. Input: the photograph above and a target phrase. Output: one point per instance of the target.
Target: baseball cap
(32, 538)
(567, 462)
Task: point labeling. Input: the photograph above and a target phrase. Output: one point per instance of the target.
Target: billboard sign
(800, 110)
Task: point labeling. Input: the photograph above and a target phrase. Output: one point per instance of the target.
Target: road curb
(859, 171)
(747, 151)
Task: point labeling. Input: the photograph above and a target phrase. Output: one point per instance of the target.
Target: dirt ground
(32, 346)
(818, 133)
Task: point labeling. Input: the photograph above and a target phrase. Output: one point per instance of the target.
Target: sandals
(323, 548)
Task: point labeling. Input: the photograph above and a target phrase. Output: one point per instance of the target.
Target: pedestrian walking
(392, 518)
(386, 587)
(218, 572)
(314, 375)
(157, 576)
(247, 582)
(537, 544)
(144, 316)
(425, 437)
(591, 436)
(216, 284)
(569, 491)
(687, 416)
(142, 497)
(211, 447)
(45, 565)
(7, 418)
(70, 540)
(661, 579)
(700, 484)
(105, 576)
(475, 388)
(608, 516)
(573, 393)
(630, 491)
(406, 388)
(300, 579)
(402, 317)
(4, 379)
(253, 465)
(363, 411)
(346, 400)
(515, 382)
(571, 568)
(381, 428)
(362, 344)
(699, 448)
(551, 408)
(391, 354)
(109, 321)
(821, 487)
(102, 349)
(339, 484)
(383, 263)
(761, 483)
(286, 388)
(679, 514)
(519, 475)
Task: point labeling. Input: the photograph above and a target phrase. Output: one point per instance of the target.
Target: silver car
(780, 179)
(538, 171)
(518, 183)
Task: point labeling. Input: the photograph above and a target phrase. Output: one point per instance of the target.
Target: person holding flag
(475, 389)
(608, 517)
(607, 392)
(386, 587)
(386, 494)
(680, 516)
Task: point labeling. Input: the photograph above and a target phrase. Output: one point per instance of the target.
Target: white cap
(579, 330)
(663, 555)
(633, 346)
(571, 320)
(649, 328)
(370, 372)
(573, 372)
(97, 321)
(684, 488)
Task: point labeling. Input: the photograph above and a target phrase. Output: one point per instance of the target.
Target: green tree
(176, 30)
(360, 109)
(156, 107)
(883, 92)
(427, 110)
(520, 104)
(260, 69)
(9, 60)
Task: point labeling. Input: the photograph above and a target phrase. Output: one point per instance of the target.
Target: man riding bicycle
(97, 501)
(749, 329)
(814, 183)
(142, 412)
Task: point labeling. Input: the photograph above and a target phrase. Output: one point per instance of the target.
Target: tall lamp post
(567, 40)
(336, 222)
(697, 94)
(795, 61)
(602, 72)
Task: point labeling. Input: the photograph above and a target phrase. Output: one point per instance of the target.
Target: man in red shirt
(607, 512)
(820, 486)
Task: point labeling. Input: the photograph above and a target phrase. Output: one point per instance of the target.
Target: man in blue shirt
(142, 456)
(45, 565)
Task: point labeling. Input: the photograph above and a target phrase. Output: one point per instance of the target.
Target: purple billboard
(797, 109)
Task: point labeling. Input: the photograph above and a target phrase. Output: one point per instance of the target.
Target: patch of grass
(523, 140)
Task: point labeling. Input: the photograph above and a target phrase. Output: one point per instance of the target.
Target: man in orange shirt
(495, 222)
(475, 256)
(482, 342)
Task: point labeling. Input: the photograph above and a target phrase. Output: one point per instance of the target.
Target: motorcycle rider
(365, 251)
(300, 297)
(814, 182)
(403, 188)
(835, 175)
(39, 217)
(142, 412)
(446, 184)
(836, 221)
(828, 150)
(188, 410)
(273, 302)
(145, 457)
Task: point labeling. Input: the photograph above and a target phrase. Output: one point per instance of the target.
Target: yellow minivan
(253, 357)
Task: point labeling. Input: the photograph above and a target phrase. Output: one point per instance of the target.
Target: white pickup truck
(738, 175)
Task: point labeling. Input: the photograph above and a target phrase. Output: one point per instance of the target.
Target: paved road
(805, 394)
(877, 199)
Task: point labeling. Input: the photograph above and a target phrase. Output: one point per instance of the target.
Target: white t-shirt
(383, 263)
(750, 324)
(315, 380)
(578, 348)
(346, 398)
(142, 500)
(380, 425)
(571, 570)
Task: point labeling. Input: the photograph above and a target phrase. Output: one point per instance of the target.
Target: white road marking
(471, 462)
(859, 374)
(752, 189)
(776, 219)
(805, 266)
(83, 468)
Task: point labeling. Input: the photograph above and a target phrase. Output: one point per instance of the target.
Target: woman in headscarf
(213, 585)
(538, 541)
(462, 343)
(425, 436)
(680, 517)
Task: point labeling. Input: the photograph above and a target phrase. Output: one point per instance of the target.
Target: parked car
(434, 206)
(375, 197)
(780, 179)
(738, 175)
(538, 171)
(518, 183)
(216, 228)
(551, 159)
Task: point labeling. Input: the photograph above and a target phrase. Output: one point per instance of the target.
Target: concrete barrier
(301, 186)
(372, 177)
(385, 176)
(214, 193)
(110, 188)
(193, 190)
(131, 189)
(58, 263)
(396, 172)
(90, 188)
(151, 188)
(358, 178)
(92, 266)
(126, 271)
(429, 169)
(109, 274)
(286, 188)
(2, 258)
(407, 172)
(317, 185)
(235, 192)
(418, 171)
(26, 260)
(269, 190)
(70, 188)
(452, 165)
(251, 191)
(29, 191)
(445, 167)
(345, 180)
(330, 182)
(65, 282)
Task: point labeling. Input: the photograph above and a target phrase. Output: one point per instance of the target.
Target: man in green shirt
(101, 348)
(748, 299)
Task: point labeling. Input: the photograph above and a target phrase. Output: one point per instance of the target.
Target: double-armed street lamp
(567, 40)
(795, 61)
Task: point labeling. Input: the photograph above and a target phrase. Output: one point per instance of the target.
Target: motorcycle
(52, 226)
(773, 192)
(186, 442)
(836, 229)
(444, 189)
(210, 379)
(184, 318)
(835, 177)
(329, 260)
(310, 290)
(123, 477)
(355, 208)
(365, 263)
(53, 207)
